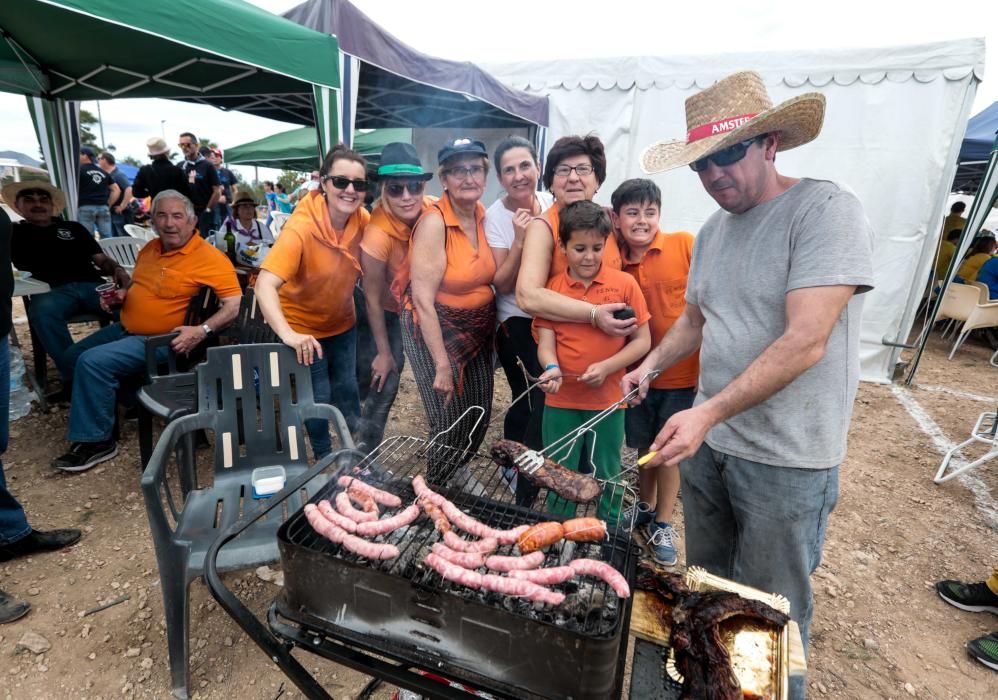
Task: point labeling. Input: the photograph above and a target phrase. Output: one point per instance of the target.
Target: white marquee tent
(894, 122)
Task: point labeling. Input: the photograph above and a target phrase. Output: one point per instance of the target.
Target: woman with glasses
(305, 288)
(383, 252)
(449, 308)
(506, 221)
(575, 168)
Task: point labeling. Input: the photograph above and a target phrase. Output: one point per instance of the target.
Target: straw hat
(156, 146)
(13, 190)
(735, 109)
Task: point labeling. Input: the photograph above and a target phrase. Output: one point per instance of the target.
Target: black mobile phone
(624, 313)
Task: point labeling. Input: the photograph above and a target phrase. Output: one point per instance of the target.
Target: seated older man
(62, 254)
(169, 271)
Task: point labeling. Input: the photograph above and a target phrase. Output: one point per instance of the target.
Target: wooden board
(646, 621)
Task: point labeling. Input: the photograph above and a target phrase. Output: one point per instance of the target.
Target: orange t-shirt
(319, 268)
(580, 344)
(164, 283)
(386, 238)
(662, 274)
(611, 251)
(467, 280)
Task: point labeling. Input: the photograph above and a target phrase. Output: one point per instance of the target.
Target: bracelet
(592, 315)
(551, 365)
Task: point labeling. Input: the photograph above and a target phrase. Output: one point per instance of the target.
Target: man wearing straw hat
(773, 304)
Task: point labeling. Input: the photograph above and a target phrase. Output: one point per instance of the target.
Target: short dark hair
(108, 156)
(340, 152)
(637, 190)
(583, 216)
(571, 146)
(983, 244)
(204, 151)
(508, 144)
(191, 136)
(279, 186)
(957, 207)
(954, 234)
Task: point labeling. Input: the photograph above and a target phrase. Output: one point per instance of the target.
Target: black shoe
(83, 455)
(11, 608)
(973, 597)
(61, 396)
(40, 541)
(984, 649)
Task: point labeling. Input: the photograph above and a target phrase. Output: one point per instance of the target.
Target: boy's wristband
(552, 365)
(592, 315)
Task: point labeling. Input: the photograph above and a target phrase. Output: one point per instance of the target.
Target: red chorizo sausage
(584, 529)
(539, 536)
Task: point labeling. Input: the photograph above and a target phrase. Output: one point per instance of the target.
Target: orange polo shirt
(319, 268)
(467, 280)
(386, 238)
(163, 284)
(611, 251)
(662, 274)
(580, 344)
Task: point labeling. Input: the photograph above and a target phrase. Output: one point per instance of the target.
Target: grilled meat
(570, 485)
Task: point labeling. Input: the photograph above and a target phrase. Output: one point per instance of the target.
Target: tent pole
(979, 209)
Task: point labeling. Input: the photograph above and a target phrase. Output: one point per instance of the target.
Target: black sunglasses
(341, 183)
(730, 155)
(395, 189)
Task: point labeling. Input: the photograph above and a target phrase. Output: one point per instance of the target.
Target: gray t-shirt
(813, 235)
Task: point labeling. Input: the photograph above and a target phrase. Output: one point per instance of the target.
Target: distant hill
(21, 158)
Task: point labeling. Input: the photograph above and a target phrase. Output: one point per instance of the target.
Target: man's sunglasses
(341, 183)
(730, 155)
(35, 196)
(395, 189)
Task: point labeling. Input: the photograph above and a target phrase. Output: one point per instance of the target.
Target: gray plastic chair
(254, 399)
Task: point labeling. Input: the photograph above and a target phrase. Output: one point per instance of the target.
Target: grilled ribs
(700, 654)
(570, 485)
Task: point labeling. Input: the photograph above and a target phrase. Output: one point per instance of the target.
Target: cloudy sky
(528, 29)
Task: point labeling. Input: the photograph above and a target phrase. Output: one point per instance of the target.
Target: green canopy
(296, 149)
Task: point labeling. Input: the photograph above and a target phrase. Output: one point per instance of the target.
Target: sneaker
(973, 597)
(637, 516)
(83, 455)
(39, 541)
(662, 540)
(985, 650)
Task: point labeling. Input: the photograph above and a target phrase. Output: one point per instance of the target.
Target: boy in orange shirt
(660, 262)
(583, 366)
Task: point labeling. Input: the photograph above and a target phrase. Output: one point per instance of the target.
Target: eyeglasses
(580, 170)
(341, 183)
(729, 156)
(462, 172)
(35, 196)
(185, 144)
(395, 189)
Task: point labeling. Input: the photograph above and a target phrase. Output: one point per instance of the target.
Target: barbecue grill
(385, 618)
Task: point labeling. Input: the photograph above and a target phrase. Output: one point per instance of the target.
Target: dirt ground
(879, 629)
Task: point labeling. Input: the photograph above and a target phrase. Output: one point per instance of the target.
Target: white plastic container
(267, 481)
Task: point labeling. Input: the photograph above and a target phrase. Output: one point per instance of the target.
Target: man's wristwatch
(208, 332)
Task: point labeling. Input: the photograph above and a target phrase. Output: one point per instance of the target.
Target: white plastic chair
(984, 431)
(123, 250)
(980, 312)
(277, 223)
(143, 233)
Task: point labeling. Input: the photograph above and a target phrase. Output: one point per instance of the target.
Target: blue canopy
(976, 149)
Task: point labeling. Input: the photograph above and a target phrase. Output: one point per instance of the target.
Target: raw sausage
(440, 521)
(383, 497)
(346, 509)
(327, 510)
(545, 577)
(380, 527)
(521, 589)
(584, 529)
(569, 485)
(468, 560)
(453, 572)
(600, 569)
(461, 519)
(485, 546)
(539, 536)
(530, 561)
(368, 550)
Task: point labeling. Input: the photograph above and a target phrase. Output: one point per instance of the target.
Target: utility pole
(100, 123)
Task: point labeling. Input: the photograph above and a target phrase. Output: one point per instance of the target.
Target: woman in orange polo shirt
(382, 253)
(306, 286)
(574, 170)
(449, 313)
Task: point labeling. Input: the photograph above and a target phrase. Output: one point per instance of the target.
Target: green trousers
(597, 450)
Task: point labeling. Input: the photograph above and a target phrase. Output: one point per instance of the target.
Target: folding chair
(984, 431)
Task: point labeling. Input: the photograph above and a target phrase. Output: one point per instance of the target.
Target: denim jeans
(110, 356)
(375, 405)
(334, 381)
(760, 525)
(118, 222)
(13, 522)
(95, 217)
(49, 315)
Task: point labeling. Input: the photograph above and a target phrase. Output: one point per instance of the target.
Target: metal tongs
(532, 460)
